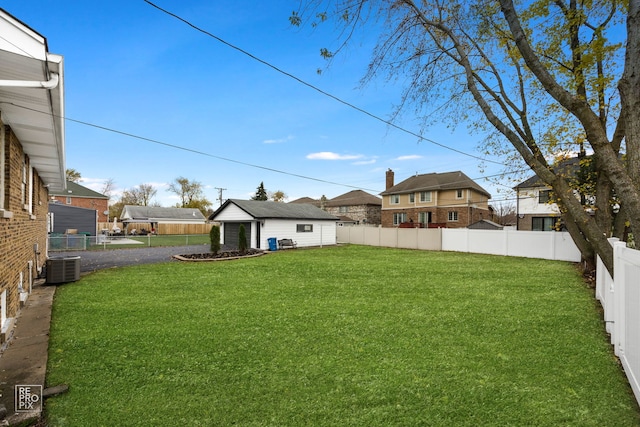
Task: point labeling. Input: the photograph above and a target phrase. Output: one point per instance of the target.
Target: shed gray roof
(160, 213)
(275, 210)
(436, 181)
(485, 224)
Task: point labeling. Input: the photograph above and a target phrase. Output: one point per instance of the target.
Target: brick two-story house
(31, 157)
(83, 197)
(448, 199)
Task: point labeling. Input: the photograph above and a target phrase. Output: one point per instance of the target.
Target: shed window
(304, 228)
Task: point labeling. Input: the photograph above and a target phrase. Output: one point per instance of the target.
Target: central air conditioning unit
(63, 269)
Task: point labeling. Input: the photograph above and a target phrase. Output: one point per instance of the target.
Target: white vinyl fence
(530, 244)
(620, 299)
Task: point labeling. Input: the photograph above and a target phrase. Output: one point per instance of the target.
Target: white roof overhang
(36, 113)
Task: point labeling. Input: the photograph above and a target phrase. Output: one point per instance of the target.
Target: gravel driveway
(98, 260)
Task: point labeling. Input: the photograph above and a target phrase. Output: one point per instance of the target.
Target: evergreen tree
(261, 193)
(214, 236)
(242, 239)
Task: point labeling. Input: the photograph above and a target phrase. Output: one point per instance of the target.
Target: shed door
(232, 231)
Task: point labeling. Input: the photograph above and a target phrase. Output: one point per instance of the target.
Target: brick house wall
(101, 205)
(466, 215)
(20, 229)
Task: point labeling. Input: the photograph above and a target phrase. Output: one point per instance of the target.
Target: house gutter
(48, 84)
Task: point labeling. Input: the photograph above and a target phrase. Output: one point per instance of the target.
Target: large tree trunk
(629, 88)
(586, 250)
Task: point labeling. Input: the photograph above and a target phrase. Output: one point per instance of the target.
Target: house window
(453, 216)
(68, 200)
(399, 218)
(394, 199)
(424, 217)
(543, 223)
(425, 196)
(412, 197)
(459, 195)
(343, 209)
(543, 196)
(304, 228)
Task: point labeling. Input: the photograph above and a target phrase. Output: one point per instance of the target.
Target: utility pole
(220, 190)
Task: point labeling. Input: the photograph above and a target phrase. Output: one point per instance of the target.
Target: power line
(191, 150)
(323, 92)
(226, 159)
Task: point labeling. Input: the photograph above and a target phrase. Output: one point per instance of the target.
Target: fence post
(619, 299)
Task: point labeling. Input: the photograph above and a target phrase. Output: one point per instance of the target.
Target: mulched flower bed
(220, 256)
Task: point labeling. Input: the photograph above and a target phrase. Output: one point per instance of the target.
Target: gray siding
(72, 217)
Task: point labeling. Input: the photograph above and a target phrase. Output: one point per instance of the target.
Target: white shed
(305, 224)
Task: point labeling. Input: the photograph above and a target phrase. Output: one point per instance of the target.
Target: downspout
(48, 84)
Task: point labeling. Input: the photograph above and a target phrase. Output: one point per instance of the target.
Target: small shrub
(214, 235)
(242, 239)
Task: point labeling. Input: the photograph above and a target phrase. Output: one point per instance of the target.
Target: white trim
(2, 165)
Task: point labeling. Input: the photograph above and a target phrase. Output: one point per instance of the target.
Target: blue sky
(133, 69)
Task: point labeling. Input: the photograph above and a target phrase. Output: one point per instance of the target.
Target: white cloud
(278, 141)
(328, 155)
(409, 157)
(364, 162)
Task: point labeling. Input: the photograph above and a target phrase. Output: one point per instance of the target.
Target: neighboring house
(357, 207)
(161, 220)
(306, 224)
(83, 197)
(32, 159)
(64, 219)
(535, 210)
(308, 201)
(448, 199)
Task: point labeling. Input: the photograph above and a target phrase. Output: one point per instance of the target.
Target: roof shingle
(436, 181)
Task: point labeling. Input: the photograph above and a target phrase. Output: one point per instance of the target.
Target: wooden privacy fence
(620, 299)
(162, 228)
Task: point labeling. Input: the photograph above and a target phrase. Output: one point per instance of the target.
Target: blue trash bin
(273, 243)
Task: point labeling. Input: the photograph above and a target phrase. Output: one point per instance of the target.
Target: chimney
(389, 183)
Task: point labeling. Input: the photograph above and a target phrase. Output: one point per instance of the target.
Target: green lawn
(338, 336)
